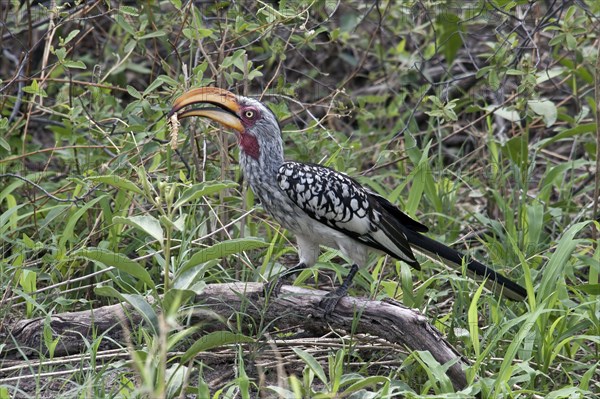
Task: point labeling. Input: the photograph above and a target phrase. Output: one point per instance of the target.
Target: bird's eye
(249, 114)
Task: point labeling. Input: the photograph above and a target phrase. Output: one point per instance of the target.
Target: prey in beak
(225, 108)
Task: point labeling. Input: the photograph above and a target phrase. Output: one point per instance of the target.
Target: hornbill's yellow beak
(226, 111)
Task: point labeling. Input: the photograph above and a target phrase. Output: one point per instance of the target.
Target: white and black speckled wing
(339, 202)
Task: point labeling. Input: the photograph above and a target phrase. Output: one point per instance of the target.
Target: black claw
(330, 301)
(273, 288)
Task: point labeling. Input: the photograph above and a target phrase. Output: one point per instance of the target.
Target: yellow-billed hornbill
(319, 205)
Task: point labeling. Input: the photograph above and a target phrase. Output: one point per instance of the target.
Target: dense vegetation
(477, 118)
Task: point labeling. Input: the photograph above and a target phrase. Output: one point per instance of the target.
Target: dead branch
(295, 307)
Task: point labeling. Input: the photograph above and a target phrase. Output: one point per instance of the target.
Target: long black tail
(494, 281)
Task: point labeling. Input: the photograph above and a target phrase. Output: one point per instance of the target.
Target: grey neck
(263, 169)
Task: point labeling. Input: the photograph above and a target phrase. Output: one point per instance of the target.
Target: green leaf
(591, 289)
(422, 179)
(118, 261)
(584, 382)
(165, 221)
(49, 340)
(168, 80)
(504, 112)
(546, 109)
(28, 280)
(202, 190)
(176, 338)
(74, 64)
(153, 86)
(517, 150)
(221, 250)
(566, 392)
(417, 176)
(436, 371)
(176, 376)
(138, 302)
(312, 363)
(128, 10)
(70, 36)
(494, 80)
(450, 35)
(189, 279)
(363, 383)
(482, 71)
(144, 309)
(549, 74)
(554, 270)
(473, 317)
(571, 41)
(197, 34)
(147, 223)
(158, 33)
(174, 298)
(214, 340)
(527, 323)
(67, 233)
(515, 72)
(60, 53)
(133, 92)
(535, 225)
(130, 46)
(255, 73)
(10, 218)
(34, 88)
(118, 182)
(565, 134)
(4, 144)
(558, 39)
(124, 24)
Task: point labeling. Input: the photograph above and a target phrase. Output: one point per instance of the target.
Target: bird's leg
(330, 301)
(273, 287)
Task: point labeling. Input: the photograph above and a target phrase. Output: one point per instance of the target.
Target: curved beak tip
(225, 114)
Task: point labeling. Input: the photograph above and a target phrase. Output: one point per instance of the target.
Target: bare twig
(42, 189)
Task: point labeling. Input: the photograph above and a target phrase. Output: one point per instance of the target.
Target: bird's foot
(272, 289)
(330, 301)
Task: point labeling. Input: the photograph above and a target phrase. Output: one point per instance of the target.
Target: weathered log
(294, 307)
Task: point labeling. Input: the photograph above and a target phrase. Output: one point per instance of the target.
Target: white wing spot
(345, 192)
(314, 202)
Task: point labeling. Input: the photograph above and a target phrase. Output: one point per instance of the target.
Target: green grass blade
(146, 223)
(214, 340)
(312, 363)
(68, 232)
(117, 182)
(118, 261)
(473, 317)
(201, 190)
(138, 302)
(554, 270)
(221, 250)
